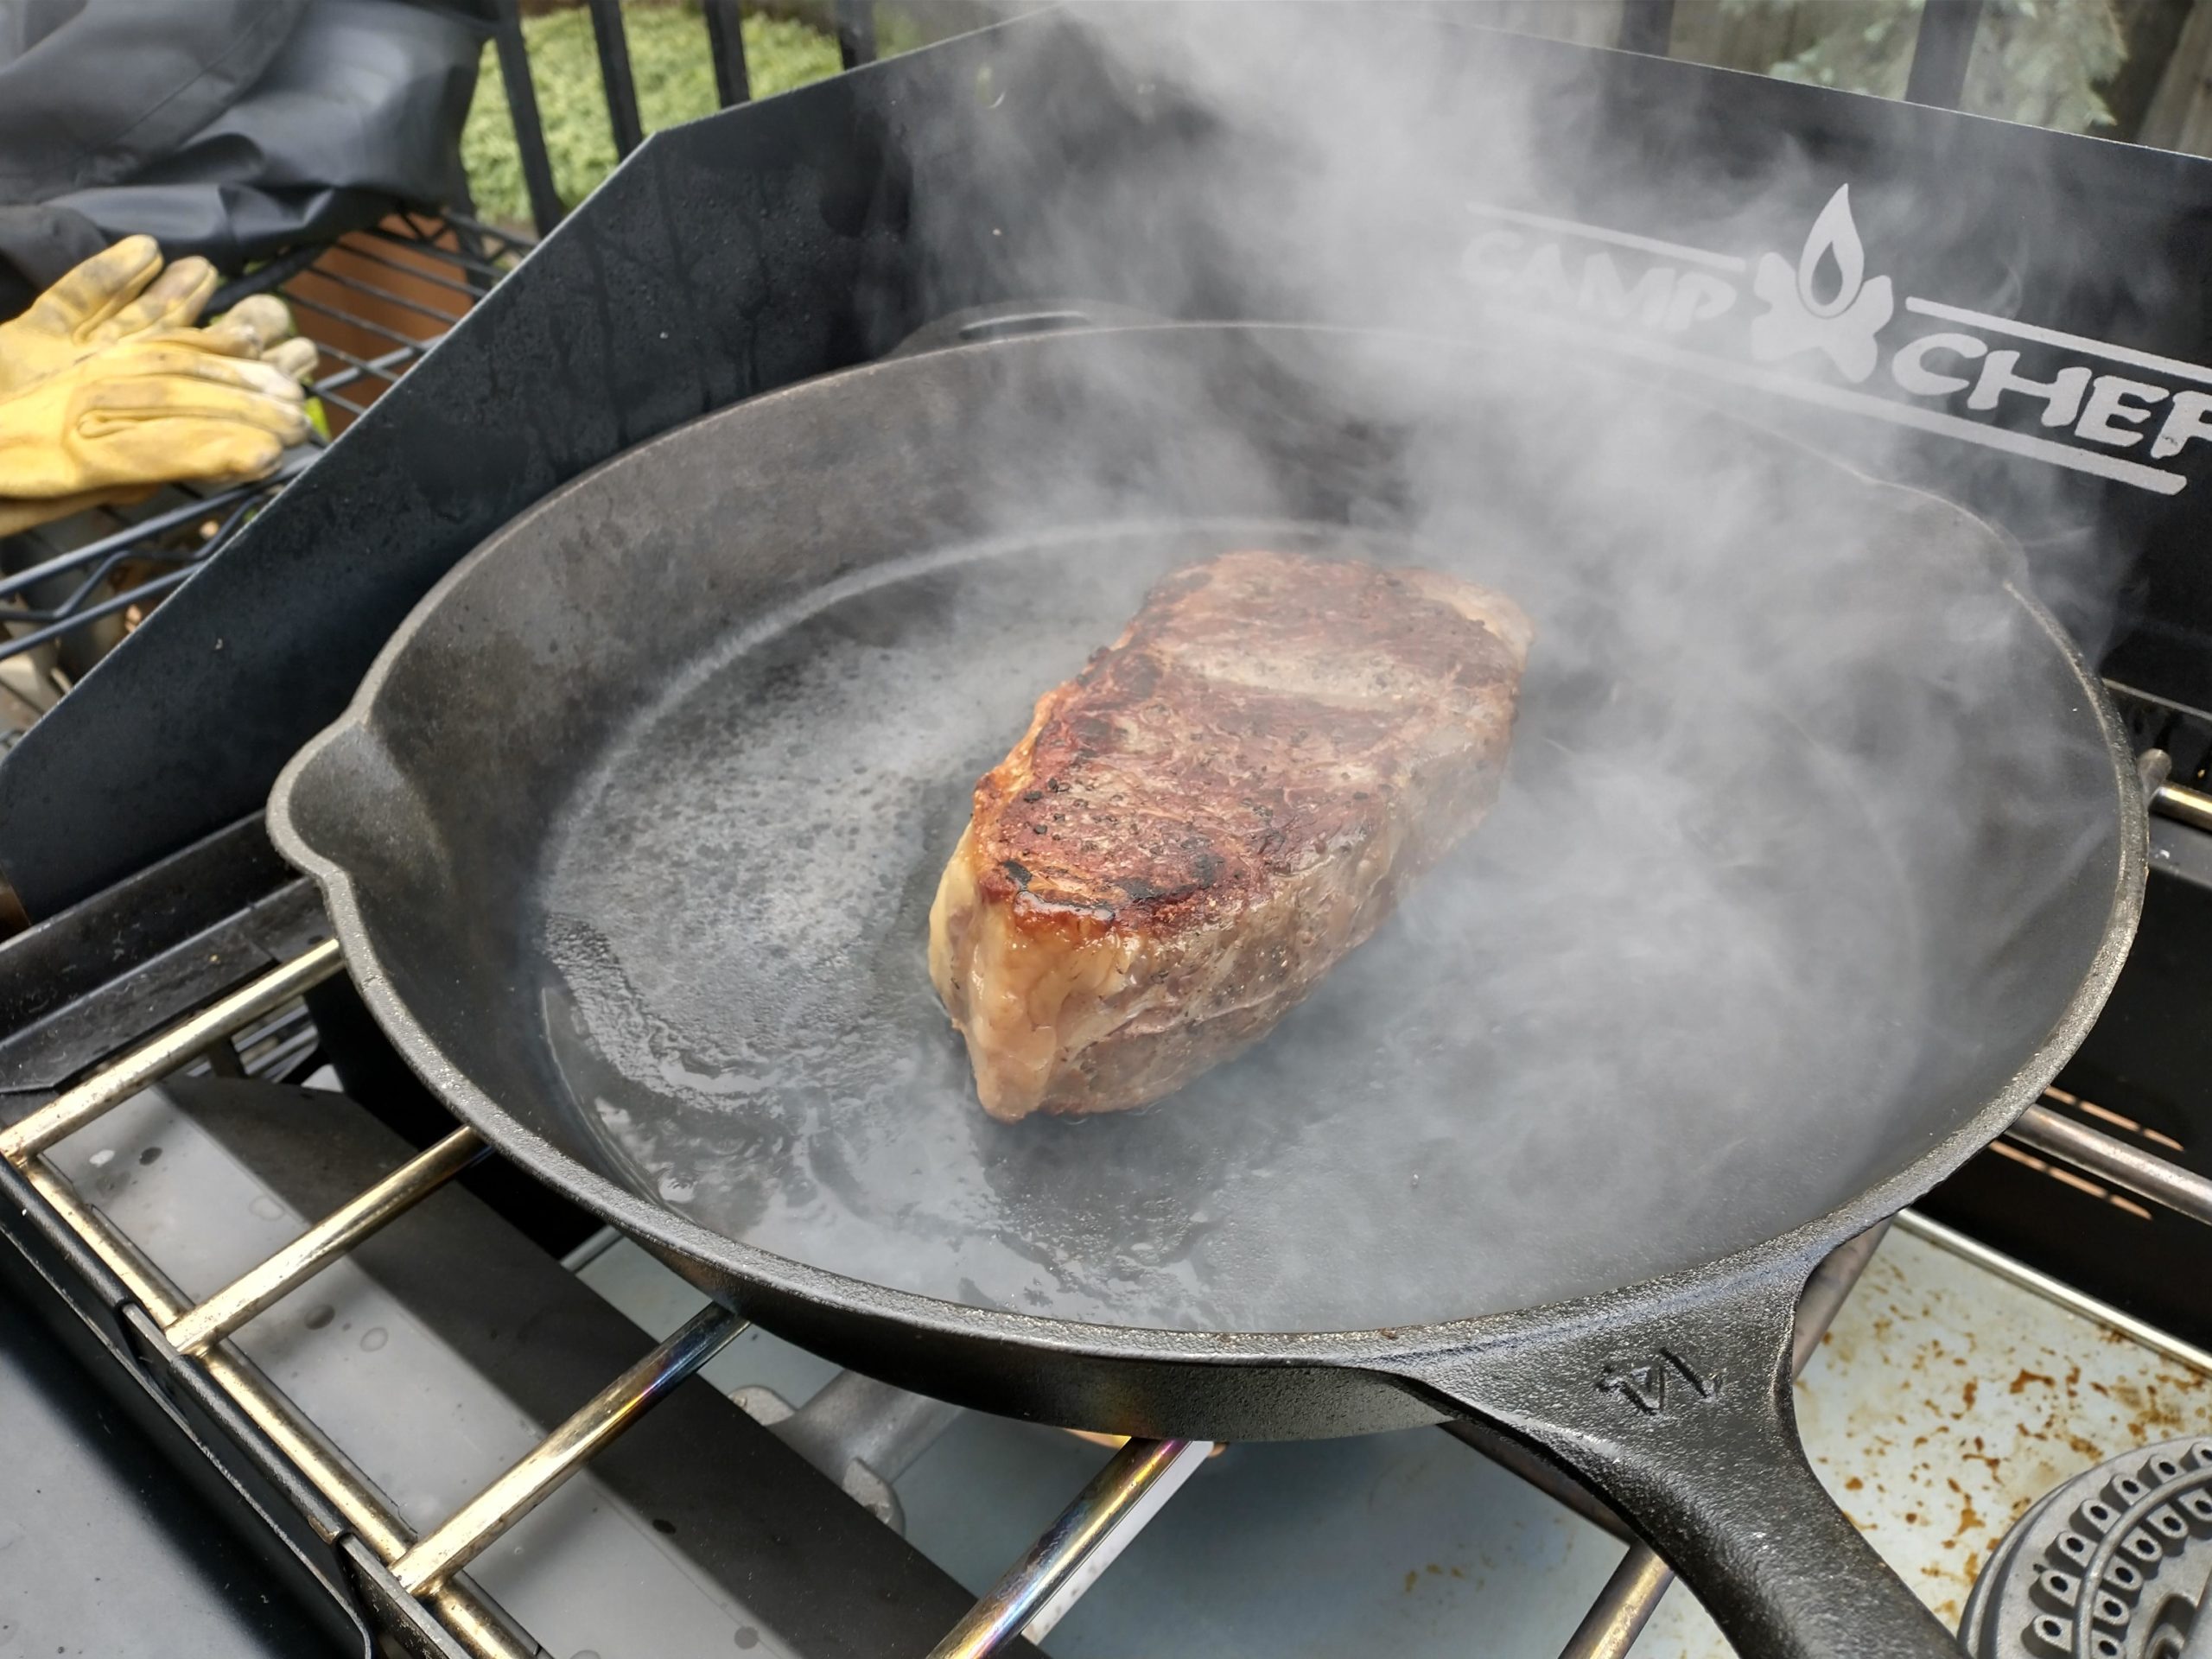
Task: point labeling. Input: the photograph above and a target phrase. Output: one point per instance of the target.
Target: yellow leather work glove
(124, 292)
(161, 427)
(275, 336)
(113, 294)
(157, 409)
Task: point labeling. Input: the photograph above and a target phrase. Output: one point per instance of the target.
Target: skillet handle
(1682, 1420)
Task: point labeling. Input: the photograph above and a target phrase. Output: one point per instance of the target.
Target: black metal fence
(855, 30)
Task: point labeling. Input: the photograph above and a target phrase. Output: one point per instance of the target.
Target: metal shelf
(373, 302)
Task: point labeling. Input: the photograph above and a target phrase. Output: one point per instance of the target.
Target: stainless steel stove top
(1951, 1392)
(1947, 1398)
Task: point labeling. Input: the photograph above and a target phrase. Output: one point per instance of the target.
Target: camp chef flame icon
(1843, 325)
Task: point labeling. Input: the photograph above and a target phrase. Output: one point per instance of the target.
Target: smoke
(1789, 873)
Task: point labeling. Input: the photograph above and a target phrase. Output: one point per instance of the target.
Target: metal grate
(261, 1027)
(128, 569)
(377, 300)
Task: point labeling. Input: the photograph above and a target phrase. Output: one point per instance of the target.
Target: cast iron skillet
(1820, 850)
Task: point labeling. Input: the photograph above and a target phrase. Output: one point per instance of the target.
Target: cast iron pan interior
(1807, 842)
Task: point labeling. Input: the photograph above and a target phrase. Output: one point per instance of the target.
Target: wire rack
(373, 302)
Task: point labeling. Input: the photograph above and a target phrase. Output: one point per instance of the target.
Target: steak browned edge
(1196, 827)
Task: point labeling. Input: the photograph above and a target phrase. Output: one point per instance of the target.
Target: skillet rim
(1387, 1351)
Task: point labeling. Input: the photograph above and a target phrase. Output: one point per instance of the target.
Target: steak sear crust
(1221, 805)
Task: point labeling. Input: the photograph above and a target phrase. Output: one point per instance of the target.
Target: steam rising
(1787, 859)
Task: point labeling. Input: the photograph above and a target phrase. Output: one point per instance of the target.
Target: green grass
(675, 80)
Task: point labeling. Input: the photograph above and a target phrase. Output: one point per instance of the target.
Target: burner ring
(2114, 1564)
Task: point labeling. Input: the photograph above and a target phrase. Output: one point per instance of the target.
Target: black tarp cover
(229, 127)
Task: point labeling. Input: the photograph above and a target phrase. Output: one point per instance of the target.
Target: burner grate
(408, 1575)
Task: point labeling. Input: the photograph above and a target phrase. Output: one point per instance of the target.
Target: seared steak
(1222, 804)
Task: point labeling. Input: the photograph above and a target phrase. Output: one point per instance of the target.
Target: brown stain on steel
(2083, 1412)
(1969, 1518)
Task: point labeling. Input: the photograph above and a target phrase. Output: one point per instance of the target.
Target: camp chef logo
(1843, 325)
(1826, 332)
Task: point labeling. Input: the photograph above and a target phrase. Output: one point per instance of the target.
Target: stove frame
(201, 958)
(219, 943)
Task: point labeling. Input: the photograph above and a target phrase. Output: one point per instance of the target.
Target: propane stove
(291, 1363)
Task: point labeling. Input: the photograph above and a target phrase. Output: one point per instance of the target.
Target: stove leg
(864, 1435)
